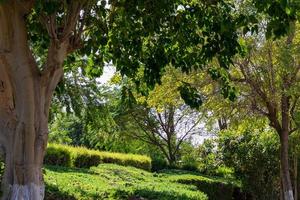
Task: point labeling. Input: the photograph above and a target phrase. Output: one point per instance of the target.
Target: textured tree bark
(295, 177)
(26, 142)
(286, 178)
(24, 108)
(284, 151)
(281, 187)
(24, 119)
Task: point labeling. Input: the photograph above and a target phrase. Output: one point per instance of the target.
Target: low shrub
(159, 164)
(84, 158)
(148, 193)
(58, 155)
(53, 193)
(190, 167)
(137, 161)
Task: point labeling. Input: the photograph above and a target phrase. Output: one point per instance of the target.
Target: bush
(159, 164)
(58, 155)
(53, 193)
(215, 190)
(252, 151)
(138, 161)
(190, 167)
(84, 158)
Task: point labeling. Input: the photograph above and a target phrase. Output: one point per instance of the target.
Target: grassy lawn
(109, 181)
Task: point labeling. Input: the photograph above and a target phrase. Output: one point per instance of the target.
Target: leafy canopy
(152, 34)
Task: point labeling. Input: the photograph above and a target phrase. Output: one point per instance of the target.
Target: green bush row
(80, 157)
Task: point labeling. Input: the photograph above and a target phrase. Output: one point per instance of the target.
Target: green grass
(110, 181)
(216, 188)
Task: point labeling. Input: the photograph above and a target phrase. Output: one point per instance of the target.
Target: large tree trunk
(285, 178)
(24, 109)
(24, 129)
(25, 96)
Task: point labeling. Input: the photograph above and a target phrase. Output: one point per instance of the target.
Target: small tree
(162, 118)
(166, 130)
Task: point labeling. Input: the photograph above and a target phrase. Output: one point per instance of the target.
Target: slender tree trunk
(222, 122)
(171, 151)
(172, 160)
(281, 186)
(286, 178)
(295, 177)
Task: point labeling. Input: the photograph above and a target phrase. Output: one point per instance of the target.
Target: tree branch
(25, 6)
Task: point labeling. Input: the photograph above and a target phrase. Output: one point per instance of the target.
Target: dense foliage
(252, 150)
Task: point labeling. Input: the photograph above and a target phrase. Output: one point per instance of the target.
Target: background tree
(167, 130)
(162, 118)
(88, 105)
(270, 83)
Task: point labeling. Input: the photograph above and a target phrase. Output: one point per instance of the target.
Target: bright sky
(108, 73)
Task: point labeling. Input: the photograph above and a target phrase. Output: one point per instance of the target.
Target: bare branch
(293, 130)
(71, 19)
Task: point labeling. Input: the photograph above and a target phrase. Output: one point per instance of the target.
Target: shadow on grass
(61, 169)
(179, 172)
(53, 193)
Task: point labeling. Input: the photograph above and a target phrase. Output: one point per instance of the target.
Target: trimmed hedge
(56, 155)
(80, 157)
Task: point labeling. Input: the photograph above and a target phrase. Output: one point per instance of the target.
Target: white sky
(108, 73)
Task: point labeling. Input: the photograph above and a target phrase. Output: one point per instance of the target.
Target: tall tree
(35, 39)
(269, 78)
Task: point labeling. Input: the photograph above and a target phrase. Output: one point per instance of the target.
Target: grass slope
(110, 181)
